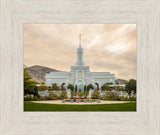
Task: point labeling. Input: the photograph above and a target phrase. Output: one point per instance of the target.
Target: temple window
(80, 73)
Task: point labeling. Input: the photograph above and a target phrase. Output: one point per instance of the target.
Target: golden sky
(106, 47)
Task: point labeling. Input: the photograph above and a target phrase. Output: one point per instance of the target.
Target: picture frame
(15, 13)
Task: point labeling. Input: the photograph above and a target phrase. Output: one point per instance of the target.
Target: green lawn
(30, 106)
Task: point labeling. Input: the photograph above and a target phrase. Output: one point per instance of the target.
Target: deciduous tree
(85, 88)
(29, 85)
(43, 87)
(131, 86)
(90, 86)
(54, 86)
(70, 86)
(106, 87)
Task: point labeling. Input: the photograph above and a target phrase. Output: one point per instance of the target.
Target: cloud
(106, 47)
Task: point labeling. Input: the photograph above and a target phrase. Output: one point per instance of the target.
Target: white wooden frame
(14, 13)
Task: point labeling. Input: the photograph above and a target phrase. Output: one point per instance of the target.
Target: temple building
(79, 75)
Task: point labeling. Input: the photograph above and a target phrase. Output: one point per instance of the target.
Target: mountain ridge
(38, 72)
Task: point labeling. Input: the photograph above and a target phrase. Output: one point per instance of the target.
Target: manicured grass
(30, 106)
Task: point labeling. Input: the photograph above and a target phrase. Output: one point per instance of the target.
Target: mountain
(38, 72)
(120, 81)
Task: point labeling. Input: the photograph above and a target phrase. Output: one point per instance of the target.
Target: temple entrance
(96, 86)
(80, 87)
(63, 86)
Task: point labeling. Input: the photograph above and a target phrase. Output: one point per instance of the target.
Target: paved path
(80, 103)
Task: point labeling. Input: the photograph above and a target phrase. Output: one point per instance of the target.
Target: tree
(109, 83)
(49, 88)
(131, 86)
(70, 86)
(106, 87)
(29, 86)
(76, 88)
(62, 87)
(85, 88)
(43, 87)
(118, 88)
(90, 86)
(36, 92)
(54, 86)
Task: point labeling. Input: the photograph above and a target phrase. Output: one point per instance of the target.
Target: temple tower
(80, 61)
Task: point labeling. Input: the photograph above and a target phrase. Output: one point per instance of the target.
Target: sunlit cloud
(118, 48)
(106, 47)
(94, 41)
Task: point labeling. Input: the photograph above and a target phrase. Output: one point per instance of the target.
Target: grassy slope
(29, 106)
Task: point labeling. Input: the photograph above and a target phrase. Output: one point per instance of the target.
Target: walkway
(80, 103)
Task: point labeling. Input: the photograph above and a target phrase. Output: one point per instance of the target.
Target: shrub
(80, 94)
(86, 94)
(107, 93)
(46, 97)
(29, 98)
(73, 94)
(55, 87)
(105, 86)
(114, 96)
(96, 94)
(43, 87)
(63, 95)
(52, 96)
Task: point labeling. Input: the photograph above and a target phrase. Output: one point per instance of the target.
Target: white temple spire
(80, 61)
(79, 40)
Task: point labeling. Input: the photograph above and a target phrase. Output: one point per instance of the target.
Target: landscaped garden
(56, 98)
(83, 103)
(110, 96)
